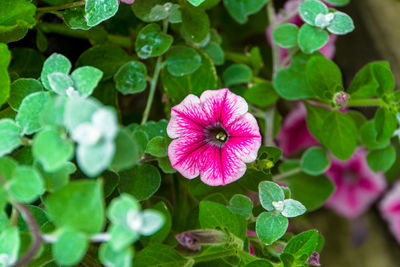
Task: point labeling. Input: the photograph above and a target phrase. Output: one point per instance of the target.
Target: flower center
(221, 136)
(216, 135)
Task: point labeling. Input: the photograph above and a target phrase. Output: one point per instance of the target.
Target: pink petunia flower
(215, 137)
(289, 8)
(128, 2)
(357, 186)
(390, 210)
(294, 134)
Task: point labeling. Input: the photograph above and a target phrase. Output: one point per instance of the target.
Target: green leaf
(159, 255)
(183, 60)
(339, 135)
(370, 80)
(215, 52)
(26, 63)
(161, 12)
(316, 116)
(57, 179)
(26, 184)
(107, 58)
(285, 35)
(310, 9)
(161, 235)
(41, 41)
(7, 167)
(10, 245)
(142, 8)
(270, 227)
(77, 202)
(110, 257)
(158, 147)
(70, 247)
(86, 79)
(10, 137)
(213, 215)
(126, 151)
(5, 57)
(312, 38)
(120, 207)
(196, 2)
(240, 10)
(385, 124)
(165, 165)
(338, 2)
(314, 161)
(241, 205)
(382, 159)
(259, 263)
(311, 191)
(53, 112)
(237, 74)
(29, 112)
(100, 10)
(261, 94)
(152, 42)
(60, 83)
(16, 17)
(131, 78)
(52, 149)
(75, 18)
(302, 245)
(86, 107)
(54, 63)
(291, 83)
(270, 192)
(195, 23)
(179, 87)
(142, 181)
(94, 159)
(324, 76)
(368, 136)
(22, 88)
(292, 208)
(341, 24)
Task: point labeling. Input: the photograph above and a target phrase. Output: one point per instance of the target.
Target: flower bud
(194, 239)
(341, 99)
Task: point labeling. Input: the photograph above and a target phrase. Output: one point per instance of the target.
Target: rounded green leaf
(22, 88)
(310, 9)
(195, 23)
(29, 112)
(10, 244)
(60, 82)
(152, 42)
(270, 192)
(10, 137)
(311, 38)
(368, 136)
(100, 10)
(142, 8)
(270, 227)
(341, 24)
(75, 18)
(303, 244)
(241, 205)
(131, 78)
(26, 184)
(261, 94)
(183, 60)
(158, 147)
(338, 2)
(382, 159)
(292, 208)
(314, 161)
(286, 35)
(5, 57)
(237, 74)
(215, 52)
(77, 202)
(142, 181)
(52, 149)
(95, 159)
(54, 63)
(126, 151)
(110, 257)
(240, 9)
(70, 247)
(385, 124)
(16, 17)
(86, 79)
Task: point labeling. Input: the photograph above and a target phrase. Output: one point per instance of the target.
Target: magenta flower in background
(128, 2)
(390, 210)
(294, 134)
(289, 8)
(215, 137)
(357, 186)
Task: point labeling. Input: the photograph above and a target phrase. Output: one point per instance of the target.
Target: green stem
(269, 130)
(62, 29)
(237, 58)
(275, 48)
(61, 7)
(287, 174)
(366, 102)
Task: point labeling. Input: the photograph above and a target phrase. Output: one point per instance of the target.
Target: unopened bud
(194, 239)
(341, 99)
(313, 260)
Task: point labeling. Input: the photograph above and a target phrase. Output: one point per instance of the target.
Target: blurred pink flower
(357, 186)
(215, 137)
(289, 9)
(294, 134)
(390, 210)
(128, 2)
